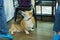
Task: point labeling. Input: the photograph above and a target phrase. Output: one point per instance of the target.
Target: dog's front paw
(26, 32)
(32, 29)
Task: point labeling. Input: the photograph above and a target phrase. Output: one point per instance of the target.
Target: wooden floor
(44, 31)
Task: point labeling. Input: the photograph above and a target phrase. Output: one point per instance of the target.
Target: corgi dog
(25, 25)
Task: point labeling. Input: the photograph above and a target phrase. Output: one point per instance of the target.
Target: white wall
(9, 10)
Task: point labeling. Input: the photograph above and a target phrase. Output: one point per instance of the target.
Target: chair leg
(15, 16)
(34, 14)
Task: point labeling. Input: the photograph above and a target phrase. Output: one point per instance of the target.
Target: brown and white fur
(25, 24)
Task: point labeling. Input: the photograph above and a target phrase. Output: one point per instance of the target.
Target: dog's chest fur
(30, 22)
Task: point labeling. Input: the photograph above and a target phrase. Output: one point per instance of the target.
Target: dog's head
(27, 14)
